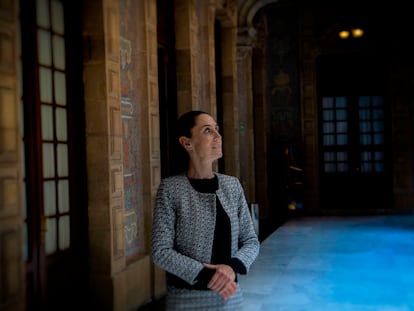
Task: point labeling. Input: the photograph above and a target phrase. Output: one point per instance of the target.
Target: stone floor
(363, 263)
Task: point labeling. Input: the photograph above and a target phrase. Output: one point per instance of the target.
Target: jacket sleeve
(163, 236)
(248, 241)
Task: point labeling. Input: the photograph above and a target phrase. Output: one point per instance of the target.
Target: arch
(248, 9)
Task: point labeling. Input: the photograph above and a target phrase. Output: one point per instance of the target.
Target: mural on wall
(283, 93)
(133, 217)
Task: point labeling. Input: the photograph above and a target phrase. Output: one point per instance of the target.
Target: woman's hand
(223, 280)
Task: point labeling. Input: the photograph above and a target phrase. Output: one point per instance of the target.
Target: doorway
(354, 134)
(55, 203)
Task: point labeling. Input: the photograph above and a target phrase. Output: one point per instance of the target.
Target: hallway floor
(363, 263)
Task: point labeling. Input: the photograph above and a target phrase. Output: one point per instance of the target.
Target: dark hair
(183, 127)
(186, 122)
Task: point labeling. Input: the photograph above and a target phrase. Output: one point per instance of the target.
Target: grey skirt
(180, 299)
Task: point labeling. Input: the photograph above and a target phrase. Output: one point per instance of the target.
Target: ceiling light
(343, 34)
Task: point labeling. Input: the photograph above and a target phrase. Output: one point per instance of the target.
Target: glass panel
(328, 127)
(48, 160)
(366, 156)
(59, 52)
(328, 115)
(378, 126)
(328, 140)
(340, 102)
(342, 156)
(62, 158)
(57, 17)
(61, 126)
(60, 88)
(45, 76)
(364, 114)
(378, 139)
(49, 198)
(43, 13)
(44, 47)
(341, 114)
(365, 126)
(364, 101)
(365, 139)
(341, 127)
(63, 190)
(378, 114)
(50, 236)
(329, 156)
(47, 122)
(342, 139)
(327, 102)
(64, 232)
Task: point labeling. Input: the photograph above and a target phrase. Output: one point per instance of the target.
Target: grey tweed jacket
(184, 222)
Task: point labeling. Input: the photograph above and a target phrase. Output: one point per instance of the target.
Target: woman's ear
(185, 142)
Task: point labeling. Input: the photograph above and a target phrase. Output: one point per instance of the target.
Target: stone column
(246, 162)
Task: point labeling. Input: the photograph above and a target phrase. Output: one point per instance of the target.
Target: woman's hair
(183, 127)
(186, 122)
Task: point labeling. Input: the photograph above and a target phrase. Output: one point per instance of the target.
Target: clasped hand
(223, 280)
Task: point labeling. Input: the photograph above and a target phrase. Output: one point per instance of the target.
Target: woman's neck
(200, 172)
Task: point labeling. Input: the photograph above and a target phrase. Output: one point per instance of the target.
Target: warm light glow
(357, 32)
(344, 34)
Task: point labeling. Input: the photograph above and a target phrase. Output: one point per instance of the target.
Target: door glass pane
(364, 114)
(60, 88)
(342, 127)
(342, 139)
(64, 232)
(63, 190)
(378, 126)
(365, 139)
(59, 52)
(47, 122)
(340, 102)
(62, 159)
(61, 126)
(49, 193)
(341, 114)
(48, 160)
(328, 115)
(45, 76)
(44, 47)
(58, 17)
(50, 236)
(327, 102)
(378, 139)
(43, 13)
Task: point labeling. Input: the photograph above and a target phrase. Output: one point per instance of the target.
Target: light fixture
(355, 32)
(344, 34)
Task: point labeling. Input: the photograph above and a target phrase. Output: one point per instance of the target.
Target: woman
(202, 233)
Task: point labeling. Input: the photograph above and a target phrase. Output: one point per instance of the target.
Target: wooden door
(54, 172)
(354, 134)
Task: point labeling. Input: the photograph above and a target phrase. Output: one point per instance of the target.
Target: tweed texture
(179, 299)
(184, 223)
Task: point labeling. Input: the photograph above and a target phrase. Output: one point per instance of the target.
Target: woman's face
(205, 143)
